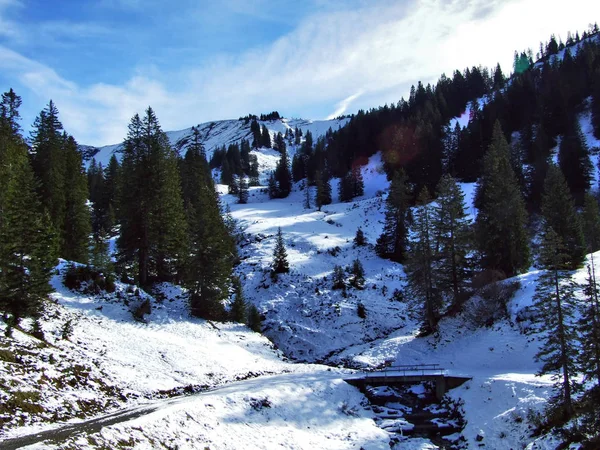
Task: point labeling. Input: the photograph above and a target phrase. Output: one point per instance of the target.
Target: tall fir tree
(243, 191)
(323, 196)
(554, 299)
(392, 242)
(454, 236)
(76, 228)
(153, 226)
(280, 262)
(590, 222)
(211, 250)
(421, 263)
(265, 137)
(501, 225)
(558, 210)
(283, 177)
(239, 307)
(574, 160)
(589, 328)
(48, 163)
(27, 241)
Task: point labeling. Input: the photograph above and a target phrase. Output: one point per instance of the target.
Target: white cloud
(364, 56)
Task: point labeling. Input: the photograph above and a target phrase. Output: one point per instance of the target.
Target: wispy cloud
(366, 55)
(343, 106)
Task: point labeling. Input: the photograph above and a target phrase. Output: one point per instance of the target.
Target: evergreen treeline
(164, 209)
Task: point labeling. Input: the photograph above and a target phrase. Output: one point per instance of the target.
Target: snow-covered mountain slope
(225, 132)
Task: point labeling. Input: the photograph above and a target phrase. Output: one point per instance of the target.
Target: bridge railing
(407, 370)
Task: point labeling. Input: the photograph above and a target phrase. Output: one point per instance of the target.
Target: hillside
(224, 132)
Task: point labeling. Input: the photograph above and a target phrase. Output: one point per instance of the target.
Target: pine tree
(256, 134)
(272, 186)
(265, 137)
(153, 226)
(589, 328)
(77, 225)
(339, 278)
(280, 262)
(254, 319)
(595, 109)
(360, 239)
(346, 188)
(48, 163)
(243, 191)
(238, 311)
(27, 242)
(501, 222)
(590, 220)
(357, 279)
(559, 214)
(574, 161)
(306, 195)
(358, 185)
(211, 248)
(100, 256)
(283, 176)
(454, 239)
(421, 263)
(234, 185)
(323, 196)
(554, 299)
(392, 242)
(253, 171)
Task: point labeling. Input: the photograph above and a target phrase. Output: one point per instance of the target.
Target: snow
(225, 132)
(256, 397)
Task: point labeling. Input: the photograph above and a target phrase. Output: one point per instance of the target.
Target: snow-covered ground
(224, 132)
(262, 400)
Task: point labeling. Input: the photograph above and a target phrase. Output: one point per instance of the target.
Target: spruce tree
(238, 311)
(272, 186)
(234, 186)
(253, 171)
(256, 134)
(392, 242)
(559, 214)
(211, 248)
(283, 176)
(306, 195)
(280, 262)
(554, 299)
(265, 138)
(421, 263)
(454, 238)
(358, 185)
(502, 219)
(360, 239)
(589, 328)
(323, 196)
(590, 220)
(574, 160)
(153, 226)
(254, 319)
(243, 191)
(346, 188)
(48, 163)
(339, 278)
(77, 225)
(27, 241)
(357, 279)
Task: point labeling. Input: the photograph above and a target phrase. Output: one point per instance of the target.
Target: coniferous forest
(157, 205)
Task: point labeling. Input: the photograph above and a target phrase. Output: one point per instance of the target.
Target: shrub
(361, 311)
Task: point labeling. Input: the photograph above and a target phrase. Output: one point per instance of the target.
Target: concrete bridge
(409, 374)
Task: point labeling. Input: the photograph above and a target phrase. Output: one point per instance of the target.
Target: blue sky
(195, 61)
